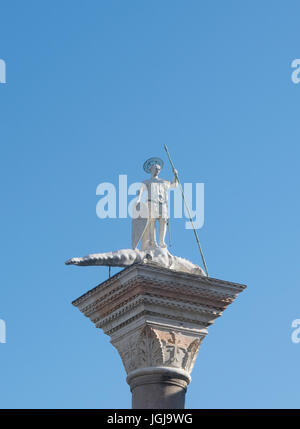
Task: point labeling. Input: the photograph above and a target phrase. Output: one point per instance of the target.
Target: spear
(187, 209)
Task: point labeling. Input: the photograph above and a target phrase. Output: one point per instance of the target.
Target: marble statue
(156, 209)
(145, 217)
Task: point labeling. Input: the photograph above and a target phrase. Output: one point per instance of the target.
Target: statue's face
(155, 169)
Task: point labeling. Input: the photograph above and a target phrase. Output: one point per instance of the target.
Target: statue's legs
(152, 238)
(162, 232)
(145, 239)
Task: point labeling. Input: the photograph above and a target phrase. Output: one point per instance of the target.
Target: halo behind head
(152, 161)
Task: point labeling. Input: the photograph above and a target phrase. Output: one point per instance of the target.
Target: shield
(139, 224)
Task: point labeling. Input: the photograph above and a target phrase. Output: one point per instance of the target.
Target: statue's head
(153, 166)
(155, 170)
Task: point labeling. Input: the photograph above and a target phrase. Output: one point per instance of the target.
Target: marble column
(157, 318)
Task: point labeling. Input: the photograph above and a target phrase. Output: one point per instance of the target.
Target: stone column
(157, 318)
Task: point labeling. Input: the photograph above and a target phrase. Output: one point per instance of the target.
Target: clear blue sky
(93, 89)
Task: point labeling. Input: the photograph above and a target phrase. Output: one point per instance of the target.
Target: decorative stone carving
(128, 352)
(149, 350)
(150, 347)
(179, 351)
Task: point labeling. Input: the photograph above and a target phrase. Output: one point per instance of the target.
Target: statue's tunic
(157, 197)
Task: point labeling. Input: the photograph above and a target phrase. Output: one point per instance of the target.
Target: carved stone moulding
(143, 290)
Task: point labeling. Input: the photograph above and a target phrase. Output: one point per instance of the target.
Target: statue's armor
(157, 197)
